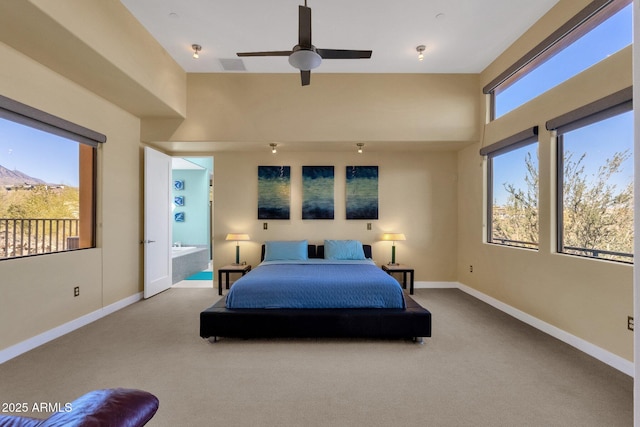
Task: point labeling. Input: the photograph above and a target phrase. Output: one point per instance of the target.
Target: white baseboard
(31, 343)
(613, 360)
(435, 285)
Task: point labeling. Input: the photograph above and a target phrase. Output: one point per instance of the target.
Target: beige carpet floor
(480, 368)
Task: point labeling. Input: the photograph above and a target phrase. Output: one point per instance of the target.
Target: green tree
(517, 220)
(43, 202)
(597, 214)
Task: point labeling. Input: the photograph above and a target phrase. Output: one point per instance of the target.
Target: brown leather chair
(118, 407)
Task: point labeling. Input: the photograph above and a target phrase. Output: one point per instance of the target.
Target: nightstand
(404, 269)
(242, 268)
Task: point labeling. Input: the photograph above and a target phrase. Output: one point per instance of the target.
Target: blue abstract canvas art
(178, 216)
(178, 184)
(362, 192)
(178, 200)
(274, 192)
(317, 192)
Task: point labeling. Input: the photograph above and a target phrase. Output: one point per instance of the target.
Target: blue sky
(601, 140)
(601, 42)
(616, 133)
(38, 154)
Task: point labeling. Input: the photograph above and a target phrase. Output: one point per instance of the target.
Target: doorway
(191, 222)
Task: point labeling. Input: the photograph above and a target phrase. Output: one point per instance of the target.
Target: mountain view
(15, 177)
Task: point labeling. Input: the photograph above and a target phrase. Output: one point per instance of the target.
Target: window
(512, 189)
(47, 182)
(595, 181)
(603, 28)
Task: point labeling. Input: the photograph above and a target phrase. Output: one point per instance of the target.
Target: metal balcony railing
(571, 250)
(30, 236)
(599, 253)
(516, 243)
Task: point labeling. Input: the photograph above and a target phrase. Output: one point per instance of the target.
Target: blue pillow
(343, 249)
(286, 250)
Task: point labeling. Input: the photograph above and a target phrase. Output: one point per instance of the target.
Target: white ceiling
(462, 36)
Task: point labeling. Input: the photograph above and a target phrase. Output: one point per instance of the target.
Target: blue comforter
(316, 284)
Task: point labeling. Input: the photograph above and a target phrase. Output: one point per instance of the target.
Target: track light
(273, 148)
(420, 49)
(196, 48)
(360, 145)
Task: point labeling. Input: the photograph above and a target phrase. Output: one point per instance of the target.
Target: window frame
(580, 24)
(521, 139)
(602, 109)
(88, 141)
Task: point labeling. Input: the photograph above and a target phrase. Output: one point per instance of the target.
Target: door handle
(148, 241)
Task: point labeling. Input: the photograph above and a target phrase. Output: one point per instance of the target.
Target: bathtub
(188, 260)
(184, 250)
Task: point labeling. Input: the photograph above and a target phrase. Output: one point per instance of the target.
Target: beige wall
(590, 299)
(417, 196)
(100, 46)
(37, 292)
(378, 109)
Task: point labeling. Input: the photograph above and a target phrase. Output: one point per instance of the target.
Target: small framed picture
(178, 216)
(178, 184)
(178, 200)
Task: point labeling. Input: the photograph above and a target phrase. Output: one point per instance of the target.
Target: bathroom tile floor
(195, 283)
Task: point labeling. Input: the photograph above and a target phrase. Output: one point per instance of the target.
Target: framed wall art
(317, 192)
(274, 192)
(362, 192)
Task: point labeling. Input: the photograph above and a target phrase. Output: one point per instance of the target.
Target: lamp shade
(305, 59)
(393, 236)
(237, 236)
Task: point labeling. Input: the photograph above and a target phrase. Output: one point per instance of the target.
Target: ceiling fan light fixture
(420, 49)
(305, 59)
(196, 49)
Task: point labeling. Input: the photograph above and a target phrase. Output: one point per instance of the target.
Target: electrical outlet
(630, 323)
(76, 291)
(368, 226)
(471, 269)
(265, 226)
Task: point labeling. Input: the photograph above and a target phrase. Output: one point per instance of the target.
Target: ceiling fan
(305, 56)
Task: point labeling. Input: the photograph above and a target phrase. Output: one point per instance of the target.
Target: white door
(157, 222)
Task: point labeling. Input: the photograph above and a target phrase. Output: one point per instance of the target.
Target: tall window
(603, 28)
(512, 167)
(595, 184)
(47, 182)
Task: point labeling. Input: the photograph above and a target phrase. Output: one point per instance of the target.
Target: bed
(316, 292)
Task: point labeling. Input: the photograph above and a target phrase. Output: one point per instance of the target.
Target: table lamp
(237, 237)
(393, 237)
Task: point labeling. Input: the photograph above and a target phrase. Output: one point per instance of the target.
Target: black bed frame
(414, 322)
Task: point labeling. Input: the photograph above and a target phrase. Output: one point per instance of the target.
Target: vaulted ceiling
(461, 36)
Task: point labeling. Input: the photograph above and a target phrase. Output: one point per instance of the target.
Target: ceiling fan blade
(271, 53)
(305, 76)
(304, 26)
(344, 54)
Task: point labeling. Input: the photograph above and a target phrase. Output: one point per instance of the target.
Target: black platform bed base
(412, 323)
